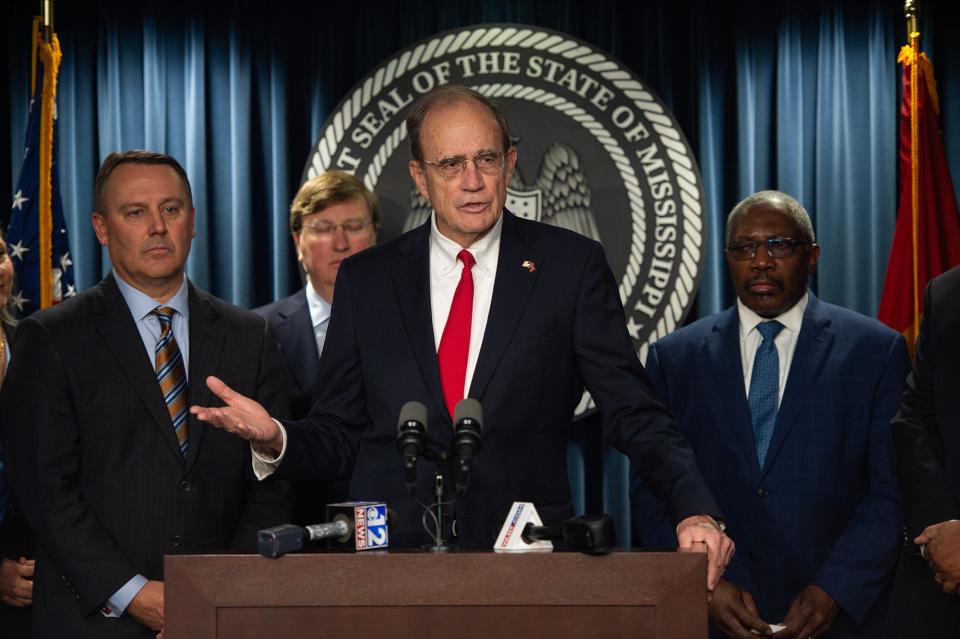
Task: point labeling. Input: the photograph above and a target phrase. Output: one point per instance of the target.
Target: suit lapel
(813, 346)
(206, 351)
(119, 332)
(298, 342)
(723, 349)
(511, 289)
(411, 278)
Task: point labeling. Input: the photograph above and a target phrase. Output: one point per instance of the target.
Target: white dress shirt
(785, 341)
(319, 315)
(445, 270)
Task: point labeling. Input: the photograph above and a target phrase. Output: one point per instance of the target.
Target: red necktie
(455, 341)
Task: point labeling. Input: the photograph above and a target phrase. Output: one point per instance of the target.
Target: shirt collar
(792, 318)
(319, 307)
(485, 251)
(141, 304)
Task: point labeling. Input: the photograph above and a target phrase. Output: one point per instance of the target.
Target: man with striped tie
(108, 466)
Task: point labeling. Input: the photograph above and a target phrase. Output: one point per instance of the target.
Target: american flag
(23, 233)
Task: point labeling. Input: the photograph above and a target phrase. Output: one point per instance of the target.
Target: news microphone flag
(368, 523)
(37, 235)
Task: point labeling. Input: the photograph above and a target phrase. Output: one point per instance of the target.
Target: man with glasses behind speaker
(332, 216)
(786, 401)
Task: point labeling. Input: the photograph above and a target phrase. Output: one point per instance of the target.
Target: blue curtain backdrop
(801, 96)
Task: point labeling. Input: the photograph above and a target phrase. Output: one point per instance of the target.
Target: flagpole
(910, 12)
(46, 10)
(50, 55)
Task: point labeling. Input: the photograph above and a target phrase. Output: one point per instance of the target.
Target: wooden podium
(424, 595)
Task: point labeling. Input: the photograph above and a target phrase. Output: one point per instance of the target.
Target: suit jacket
(823, 509)
(551, 329)
(927, 442)
(290, 319)
(293, 327)
(95, 464)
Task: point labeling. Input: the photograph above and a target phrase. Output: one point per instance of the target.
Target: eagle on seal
(560, 195)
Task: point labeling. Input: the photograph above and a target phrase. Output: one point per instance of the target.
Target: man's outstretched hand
(241, 416)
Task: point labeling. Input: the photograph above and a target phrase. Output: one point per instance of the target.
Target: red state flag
(926, 241)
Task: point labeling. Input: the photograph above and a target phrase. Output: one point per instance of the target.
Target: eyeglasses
(323, 228)
(487, 162)
(776, 247)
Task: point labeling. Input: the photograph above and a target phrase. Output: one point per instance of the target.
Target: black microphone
(411, 428)
(467, 426)
(357, 525)
(590, 534)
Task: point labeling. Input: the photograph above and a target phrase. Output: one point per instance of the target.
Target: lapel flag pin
(530, 266)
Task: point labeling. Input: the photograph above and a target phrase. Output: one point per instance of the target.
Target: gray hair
(449, 94)
(774, 200)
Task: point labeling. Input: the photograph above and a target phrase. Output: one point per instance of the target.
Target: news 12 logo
(371, 526)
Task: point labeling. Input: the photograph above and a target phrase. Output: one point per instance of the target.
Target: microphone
(590, 534)
(356, 525)
(467, 426)
(410, 431)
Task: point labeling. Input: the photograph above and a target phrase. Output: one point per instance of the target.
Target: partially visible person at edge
(16, 539)
(926, 433)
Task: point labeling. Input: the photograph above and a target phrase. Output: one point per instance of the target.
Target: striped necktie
(171, 375)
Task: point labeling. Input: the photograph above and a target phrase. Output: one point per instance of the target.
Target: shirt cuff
(118, 602)
(263, 464)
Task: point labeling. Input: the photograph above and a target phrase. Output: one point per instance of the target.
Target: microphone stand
(438, 507)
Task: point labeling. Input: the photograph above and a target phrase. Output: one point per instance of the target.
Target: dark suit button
(177, 541)
(186, 486)
(762, 492)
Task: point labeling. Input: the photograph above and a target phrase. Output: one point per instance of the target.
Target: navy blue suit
(293, 327)
(551, 330)
(290, 319)
(823, 510)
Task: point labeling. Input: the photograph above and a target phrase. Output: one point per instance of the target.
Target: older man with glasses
(786, 400)
(477, 303)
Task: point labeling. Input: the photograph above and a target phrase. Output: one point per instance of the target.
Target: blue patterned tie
(764, 387)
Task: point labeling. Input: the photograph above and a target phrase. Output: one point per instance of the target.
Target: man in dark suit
(925, 599)
(515, 314)
(332, 216)
(786, 401)
(106, 464)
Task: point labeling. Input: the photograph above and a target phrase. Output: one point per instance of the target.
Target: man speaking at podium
(520, 313)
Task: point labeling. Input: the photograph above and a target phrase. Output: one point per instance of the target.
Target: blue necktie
(764, 387)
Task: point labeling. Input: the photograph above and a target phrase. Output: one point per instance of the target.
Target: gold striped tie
(171, 375)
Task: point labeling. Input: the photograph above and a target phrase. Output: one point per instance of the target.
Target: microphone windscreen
(468, 408)
(413, 412)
